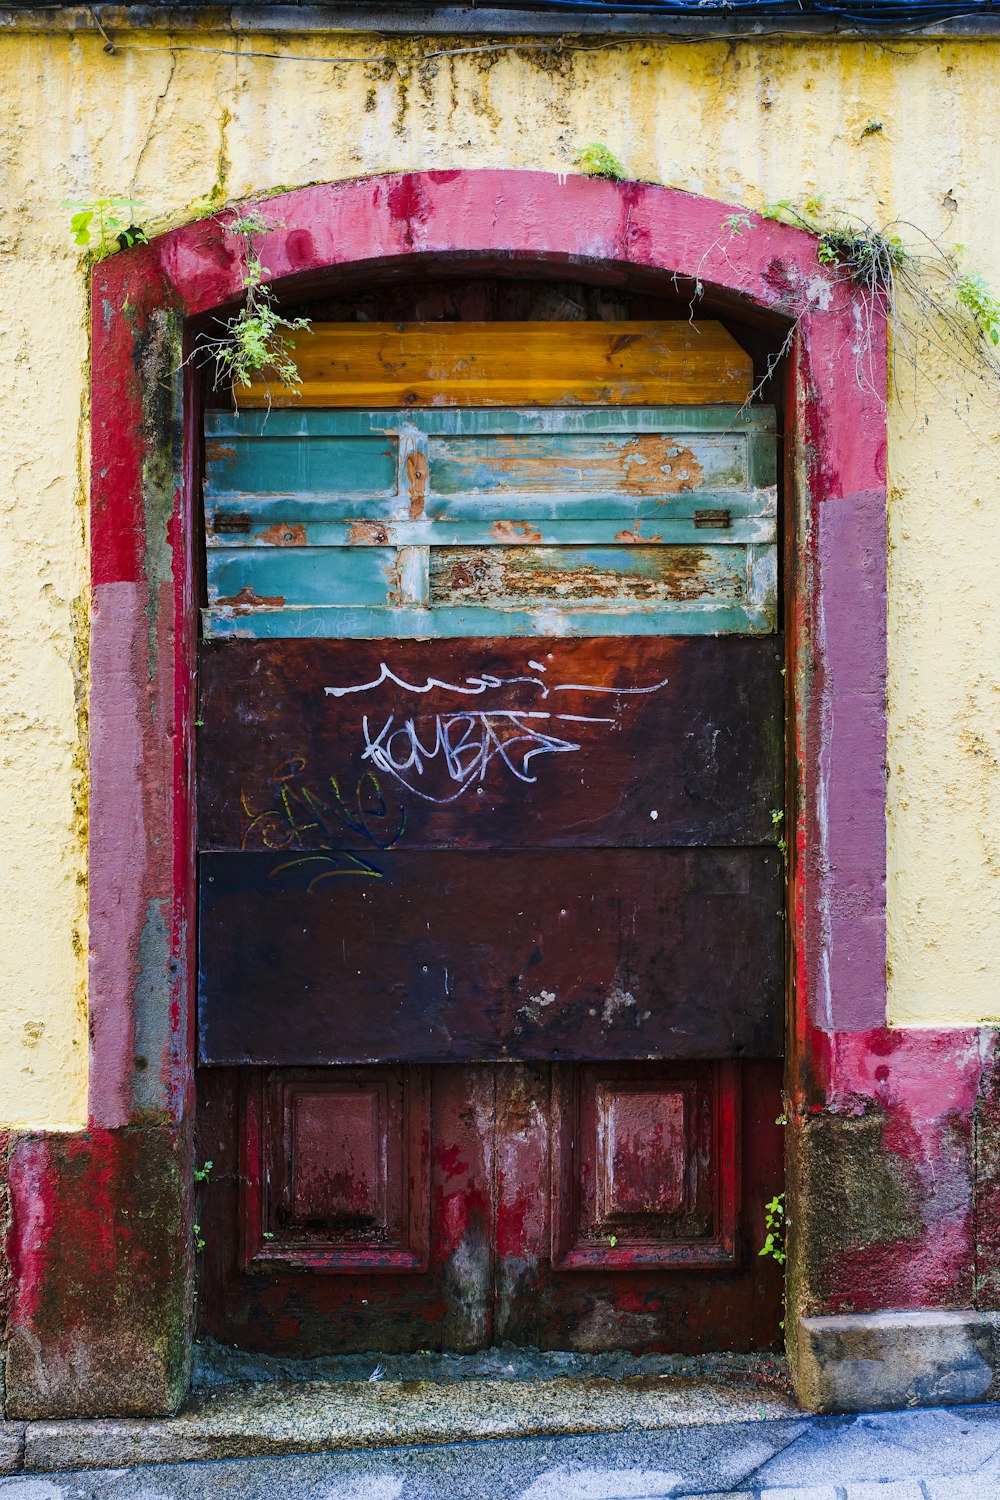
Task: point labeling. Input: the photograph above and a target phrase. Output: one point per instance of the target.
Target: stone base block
(887, 1361)
(100, 1317)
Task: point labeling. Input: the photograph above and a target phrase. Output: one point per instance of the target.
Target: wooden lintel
(517, 364)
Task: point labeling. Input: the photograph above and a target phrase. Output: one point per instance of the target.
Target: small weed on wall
(255, 342)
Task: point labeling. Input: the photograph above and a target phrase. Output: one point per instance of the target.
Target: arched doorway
(143, 521)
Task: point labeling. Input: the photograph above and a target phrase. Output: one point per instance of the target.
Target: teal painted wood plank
(343, 467)
(304, 575)
(602, 577)
(267, 528)
(310, 424)
(431, 624)
(592, 578)
(546, 521)
(534, 510)
(514, 470)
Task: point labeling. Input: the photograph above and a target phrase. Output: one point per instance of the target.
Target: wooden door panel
(311, 746)
(336, 1169)
(514, 1250)
(308, 1292)
(645, 1166)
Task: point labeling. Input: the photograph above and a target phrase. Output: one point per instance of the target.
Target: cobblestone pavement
(943, 1454)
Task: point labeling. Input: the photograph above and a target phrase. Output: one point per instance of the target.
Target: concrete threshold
(272, 1417)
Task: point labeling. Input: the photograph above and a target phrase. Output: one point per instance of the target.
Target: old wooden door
(490, 904)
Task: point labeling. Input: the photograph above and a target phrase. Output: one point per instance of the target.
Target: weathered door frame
(101, 1319)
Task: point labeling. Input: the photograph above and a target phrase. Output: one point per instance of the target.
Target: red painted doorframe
(126, 1181)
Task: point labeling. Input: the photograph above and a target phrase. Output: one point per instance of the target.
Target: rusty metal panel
(345, 750)
(485, 364)
(576, 953)
(608, 522)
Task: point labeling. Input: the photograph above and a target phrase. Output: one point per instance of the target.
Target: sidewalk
(503, 1425)
(941, 1454)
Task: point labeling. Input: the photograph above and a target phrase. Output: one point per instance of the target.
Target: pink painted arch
(143, 519)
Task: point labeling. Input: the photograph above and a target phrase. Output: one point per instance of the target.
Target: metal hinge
(238, 522)
(718, 520)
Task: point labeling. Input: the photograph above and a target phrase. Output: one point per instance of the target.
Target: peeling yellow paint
(749, 123)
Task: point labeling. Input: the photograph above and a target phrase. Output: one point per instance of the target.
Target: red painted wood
(336, 1169)
(648, 1166)
(498, 1184)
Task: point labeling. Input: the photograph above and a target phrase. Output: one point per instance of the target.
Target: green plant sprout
(973, 293)
(255, 341)
(777, 820)
(597, 160)
(775, 1228)
(199, 1239)
(872, 127)
(203, 1173)
(106, 225)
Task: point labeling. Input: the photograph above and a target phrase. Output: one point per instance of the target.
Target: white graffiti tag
(486, 681)
(464, 745)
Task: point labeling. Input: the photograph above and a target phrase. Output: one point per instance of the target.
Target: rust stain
(488, 575)
(653, 465)
(416, 476)
(636, 535)
(216, 452)
(246, 600)
(367, 534)
(516, 531)
(282, 535)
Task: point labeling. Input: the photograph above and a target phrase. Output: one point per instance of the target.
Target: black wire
(876, 12)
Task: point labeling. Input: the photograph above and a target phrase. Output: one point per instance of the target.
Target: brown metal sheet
(424, 956)
(365, 746)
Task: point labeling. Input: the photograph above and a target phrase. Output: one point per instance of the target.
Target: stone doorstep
(891, 1361)
(276, 1418)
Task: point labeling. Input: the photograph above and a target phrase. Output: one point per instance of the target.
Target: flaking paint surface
(774, 120)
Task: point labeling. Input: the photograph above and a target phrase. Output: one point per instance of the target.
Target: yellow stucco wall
(748, 123)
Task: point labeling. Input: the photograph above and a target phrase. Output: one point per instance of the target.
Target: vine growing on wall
(933, 302)
(257, 340)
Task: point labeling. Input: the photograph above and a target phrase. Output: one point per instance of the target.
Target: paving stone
(970, 1487)
(804, 1492)
(11, 1446)
(890, 1489)
(32, 1489)
(888, 1445)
